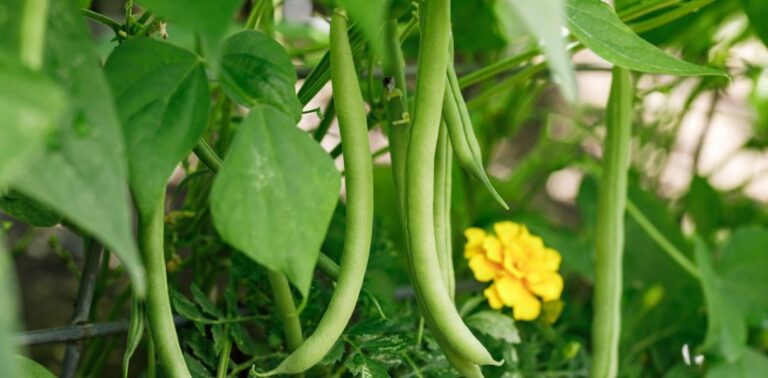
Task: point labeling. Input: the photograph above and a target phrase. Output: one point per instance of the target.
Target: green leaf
(32, 369)
(212, 17)
(726, 330)
(28, 210)
(545, 19)
(9, 315)
(196, 368)
(256, 69)
(743, 265)
(275, 195)
(368, 16)
(162, 96)
(495, 325)
(753, 364)
(202, 300)
(81, 175)
(756, 11)
(598, 27)
(27, 116)
(364, 367)
(135, 333)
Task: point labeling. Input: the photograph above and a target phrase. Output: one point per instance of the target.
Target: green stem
(33, 25)
(159, 313)
(286, 309)
(102, 19)
(221, 370)
(609, 246)
(208, 156)
(325, 123)
(677, 255)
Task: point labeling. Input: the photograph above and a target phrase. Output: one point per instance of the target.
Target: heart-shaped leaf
(199, 15)
(163, 100)
(256, 69)
(274, 197)
(82, 173)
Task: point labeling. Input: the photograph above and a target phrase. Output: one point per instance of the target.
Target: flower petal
(508, 231)
(493, 297)
(510, 290)
(528, 308)
(475, 237)
(549, 286)
(483, 268)
(493, 249)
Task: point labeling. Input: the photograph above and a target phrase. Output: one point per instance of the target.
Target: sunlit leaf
(275, 195)
(597, 26)
(199, 15)
(256, 69)
(81, 175)
(162, 96)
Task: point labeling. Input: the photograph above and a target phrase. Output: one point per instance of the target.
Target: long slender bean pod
(462, 134)
(442, 209)
(398, 117)
(420, 180)
(611, 205)
(158, 308)
(358, 166)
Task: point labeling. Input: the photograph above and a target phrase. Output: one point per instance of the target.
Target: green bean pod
(358, 166)
(442, 210)
(158, 305)
(462, 134)
(396, 104)
(420, 181)
(611, 204)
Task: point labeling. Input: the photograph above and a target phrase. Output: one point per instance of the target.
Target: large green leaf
(8, 316)
(162, 100)
(26, 117)
(735, 291)
(757, 11)
(199, 15)
(598, 27)
(256, 69)
(743, 266)
(31, 369)
(545, 19)
(81, 174)
(726, 330)
(753, 364)
(275, 195)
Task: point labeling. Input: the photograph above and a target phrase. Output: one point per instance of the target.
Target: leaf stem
(102, 19)
(33, 25)
(667, 246)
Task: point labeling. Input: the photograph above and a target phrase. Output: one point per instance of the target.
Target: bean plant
(367, 190)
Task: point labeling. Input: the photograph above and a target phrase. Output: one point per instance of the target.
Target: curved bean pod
(358, 166)
(420, 180)
(463, 138)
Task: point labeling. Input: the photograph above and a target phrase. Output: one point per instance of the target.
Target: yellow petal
(548, 286)
(507, 231)
(510, 290)
(493, 297)
(550, 260)
(493, 249)
(527, 308)
(474, 236)
(483, 269)
(511, 256)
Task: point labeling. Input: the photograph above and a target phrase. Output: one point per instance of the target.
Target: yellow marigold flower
(523, 271)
